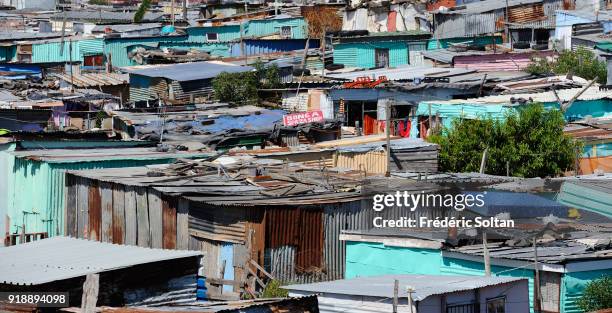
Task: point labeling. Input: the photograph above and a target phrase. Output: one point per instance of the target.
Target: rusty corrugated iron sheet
(309, 253)
(95, 211)
(169, 205)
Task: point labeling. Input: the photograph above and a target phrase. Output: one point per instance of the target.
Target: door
(381, 57)
(415, 53)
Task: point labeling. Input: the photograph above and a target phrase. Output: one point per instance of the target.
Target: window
(496, 305)
(381, 57)
(286, 32)
(212, 37)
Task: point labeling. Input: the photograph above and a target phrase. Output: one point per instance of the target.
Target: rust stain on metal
(169, 205)
(302, 228)
(118, 224)
(95, 211)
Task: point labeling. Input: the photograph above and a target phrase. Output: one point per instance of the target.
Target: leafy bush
(236, 88)
(581, 62)
(273, 290)
(531, 141)
(241, 88)
(597, 295)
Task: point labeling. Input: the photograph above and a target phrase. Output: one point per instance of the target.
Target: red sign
(302, 118)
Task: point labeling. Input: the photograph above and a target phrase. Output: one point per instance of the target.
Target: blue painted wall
(264, 46)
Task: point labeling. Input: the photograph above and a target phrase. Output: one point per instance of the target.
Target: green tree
(597, 295)
(142, 10)
(236, 88)
(581, 62)
(241, 88)
(531, 141)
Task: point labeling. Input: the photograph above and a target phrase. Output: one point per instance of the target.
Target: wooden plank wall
(130, 215)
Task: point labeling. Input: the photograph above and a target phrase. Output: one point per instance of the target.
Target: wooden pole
(483, 162)
(410, 291)
(90, 293)
(395, 295)
(388, 135)
(487, 257)
(575, 97)
(536, 283)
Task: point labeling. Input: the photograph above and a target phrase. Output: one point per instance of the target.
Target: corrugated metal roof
(85, 80)
(490, 5)
(447, 56)
(25, 35)
(59, 258)
(105, 16)
(189, 71)
(120, 28)
(593, 93)
(555, 252)
(71, 156)
(399, 73)
(382, 286)
(396, 144)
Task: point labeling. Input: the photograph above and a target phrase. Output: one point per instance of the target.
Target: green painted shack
(384, 49)
(565, 266)
(32, 193)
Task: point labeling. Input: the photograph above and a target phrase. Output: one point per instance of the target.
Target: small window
(286, 32)
(496, 305)
(212, 37)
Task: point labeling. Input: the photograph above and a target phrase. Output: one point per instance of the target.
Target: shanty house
(276, 223)
(419, 293)
(125, 275)
(384, 49)
(177, 82)
(531, 23)
(33, 191)
(565, 267)
(593, 102)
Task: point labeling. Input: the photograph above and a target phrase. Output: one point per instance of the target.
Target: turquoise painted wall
(37, 188)
(225, 33)
(573, 285)
(371, 259)
(597, 150)
(56, 52)
(433, 44)
(119, 48)
(362, 54)
(259, 28)
(451, 266)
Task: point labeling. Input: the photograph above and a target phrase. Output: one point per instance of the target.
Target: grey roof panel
(382, 286)
(59, 258)
(188, 71)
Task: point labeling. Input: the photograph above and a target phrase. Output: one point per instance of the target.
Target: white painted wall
(516, 293)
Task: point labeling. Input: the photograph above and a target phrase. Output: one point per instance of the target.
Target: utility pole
(388, 133)
(485, 252)
(536, 282)
(395, 295)
(172, 12)
(506, 28)
(410, 291)
(185, 10)
(71, 66)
